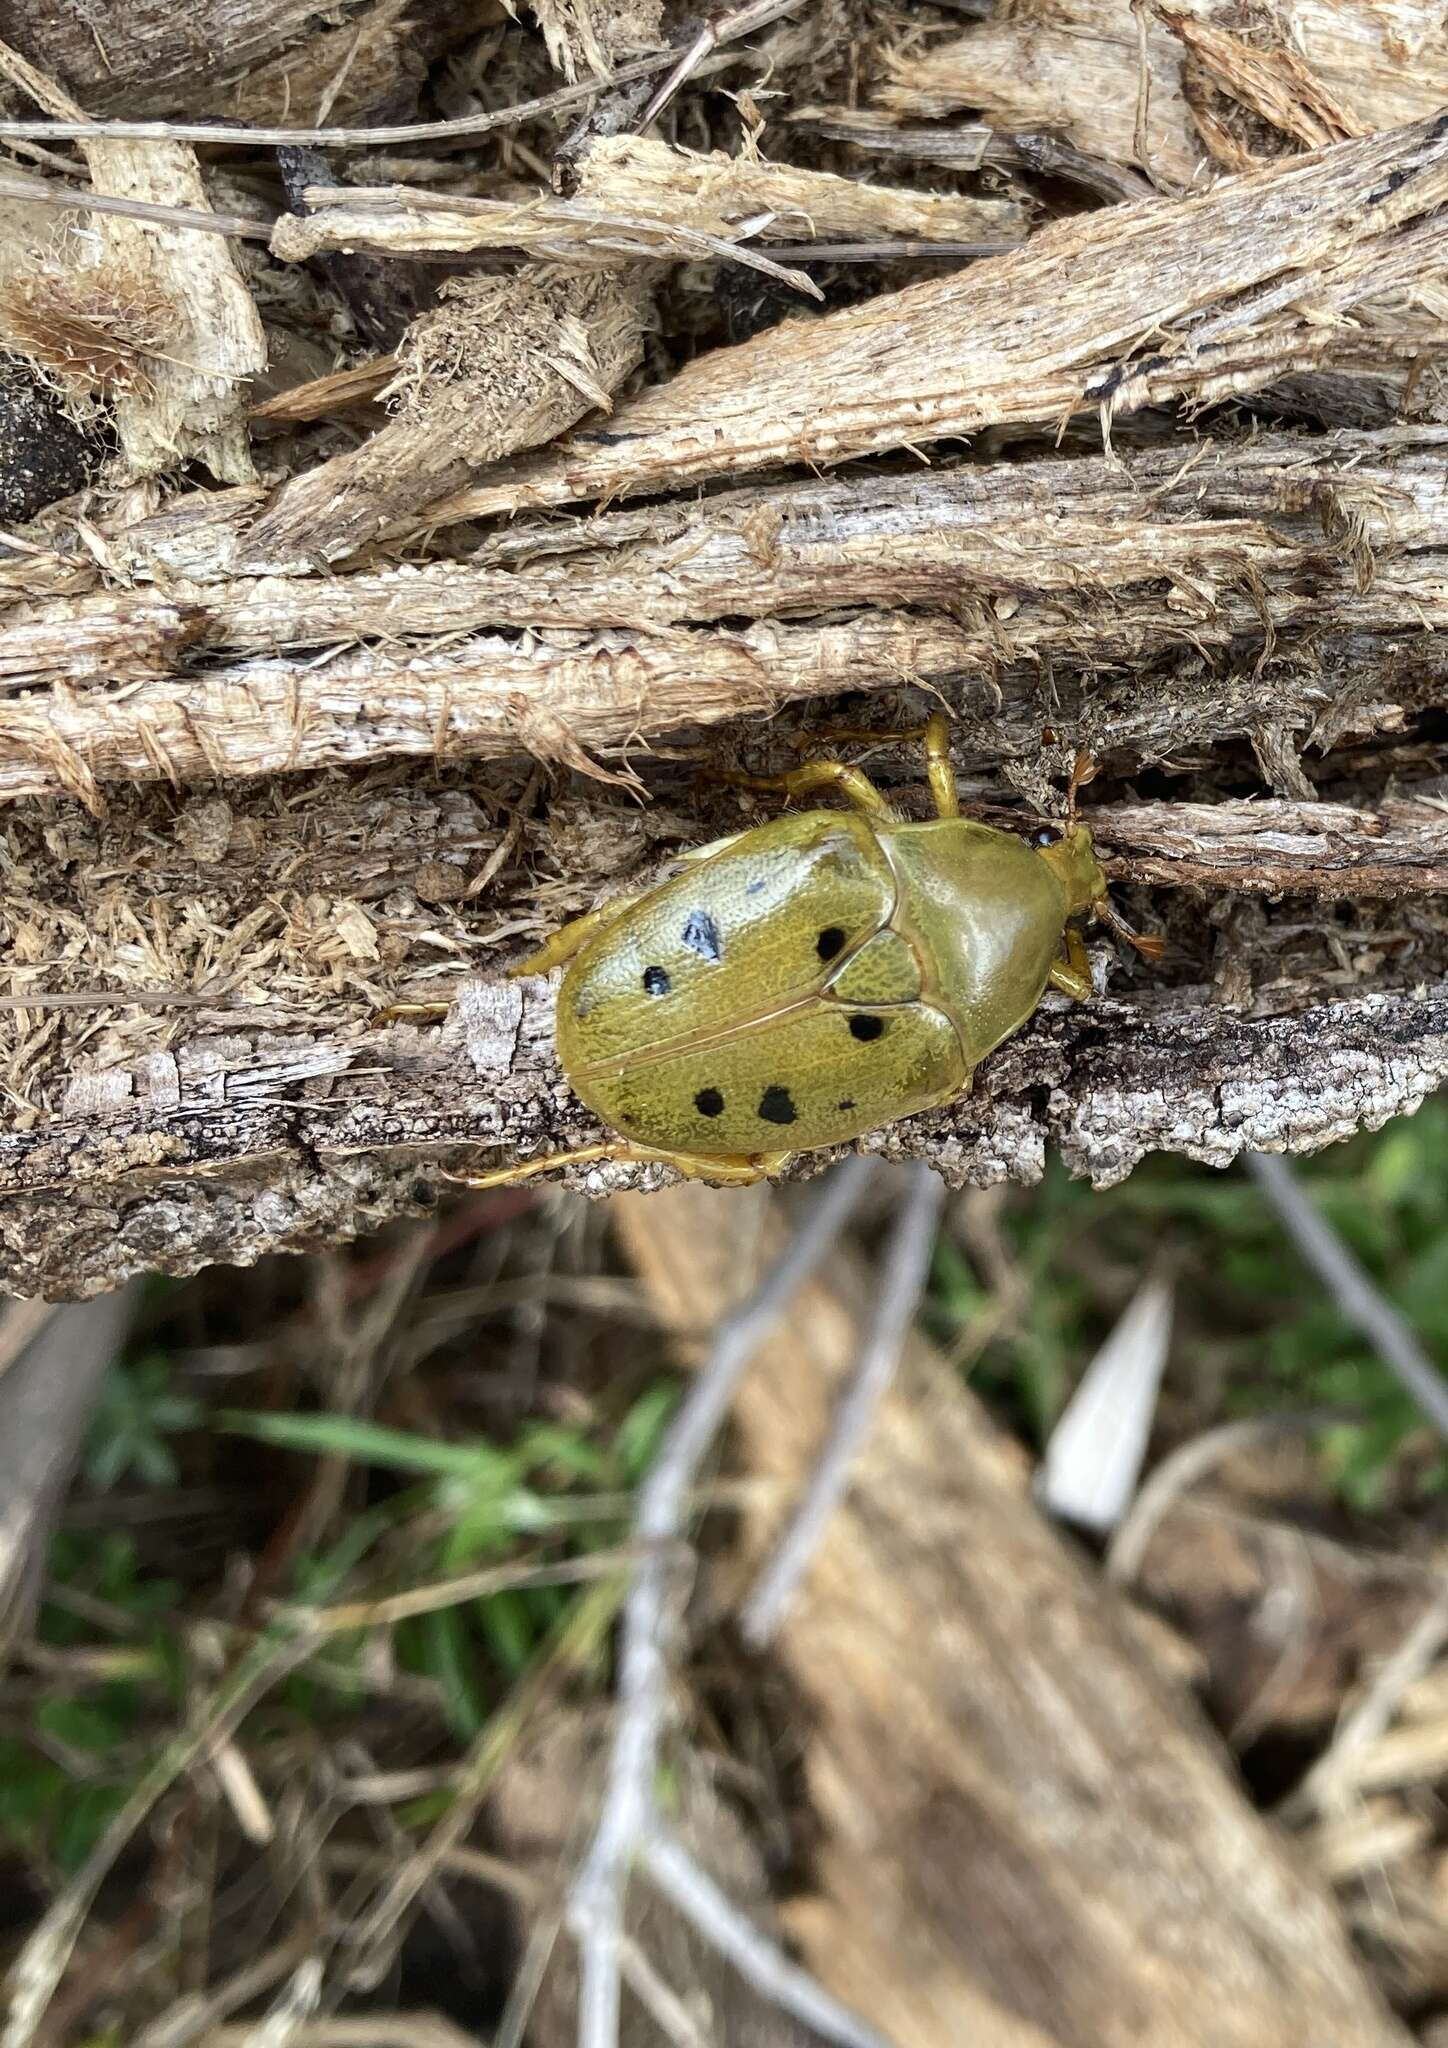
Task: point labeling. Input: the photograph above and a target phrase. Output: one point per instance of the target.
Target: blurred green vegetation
(1255, 1332)
(434, 1511)
(1026, 1283)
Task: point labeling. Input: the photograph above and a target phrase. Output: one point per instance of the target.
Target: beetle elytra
(806, 980)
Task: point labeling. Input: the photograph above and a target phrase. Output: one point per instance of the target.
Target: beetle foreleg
(1149, 947)
(1071, 972)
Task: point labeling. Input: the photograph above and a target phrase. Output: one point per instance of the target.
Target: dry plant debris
(1162, 480)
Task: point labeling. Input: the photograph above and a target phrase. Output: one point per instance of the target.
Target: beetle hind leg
(934, 735)
(732, 1171)
(850, 783)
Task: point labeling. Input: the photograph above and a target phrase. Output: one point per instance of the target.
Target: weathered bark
(502, 365)
(1172, 599)
(1025, 1838)
(228, 1133)
(242, 58)
(1152, 303)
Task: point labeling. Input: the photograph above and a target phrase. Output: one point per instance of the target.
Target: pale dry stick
(904, 1268)
(1182, 1468)
(694, 1894)
(742, 22)
(46, 192)
(651, 1617)
(37, 1972)
(1328, 1786)
(1345, 1280)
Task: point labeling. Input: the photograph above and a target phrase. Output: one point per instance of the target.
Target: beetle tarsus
(741, 1171)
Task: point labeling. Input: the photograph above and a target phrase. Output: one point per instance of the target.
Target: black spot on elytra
(701, 936)
(866, 1028)
(776, 1106)
(754, 887)
(829, 942)
(656, 981)
(846, 1104)
(709, 1102)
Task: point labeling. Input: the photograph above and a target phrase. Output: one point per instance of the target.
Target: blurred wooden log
(48, 1392)
(1026, 1839)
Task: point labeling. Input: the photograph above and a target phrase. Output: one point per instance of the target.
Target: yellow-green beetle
(807, 980)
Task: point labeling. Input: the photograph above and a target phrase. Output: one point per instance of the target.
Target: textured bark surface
(240, 58)
(1135, 305)
(1271, 585)
(1025, 1839)
(271, 795)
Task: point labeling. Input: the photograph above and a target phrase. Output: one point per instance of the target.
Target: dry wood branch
(1213, 534)
(1331, 555)
(503, 364)
(1070, 66)
(1136, 305)
(240, 1137)
(561, 231)
(727, 195)
(570, 700)
(1082, 1868)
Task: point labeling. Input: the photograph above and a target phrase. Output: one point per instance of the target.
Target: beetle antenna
(1145, 943)
(1083, 769)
